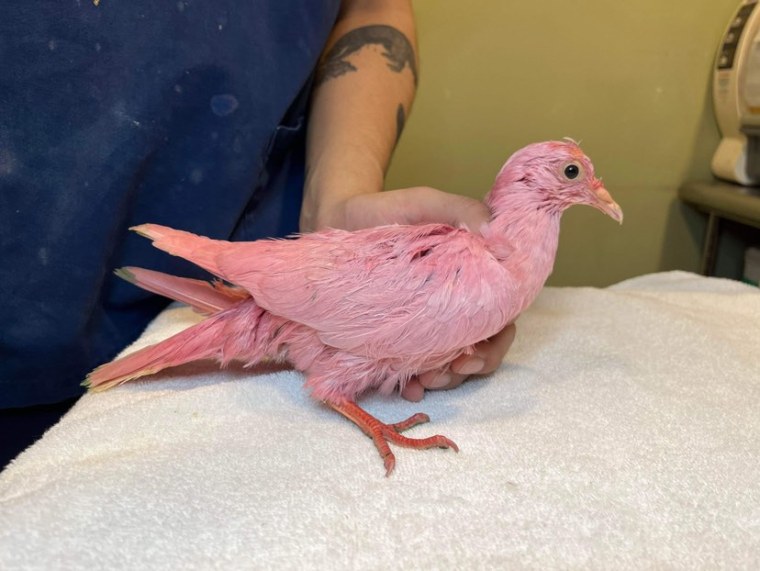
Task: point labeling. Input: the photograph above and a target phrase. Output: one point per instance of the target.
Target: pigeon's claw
(381, 433)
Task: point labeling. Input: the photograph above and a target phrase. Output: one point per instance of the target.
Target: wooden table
(721, 200)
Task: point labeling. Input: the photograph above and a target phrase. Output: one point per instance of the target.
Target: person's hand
(420, 205)
(416, 205)
(486, 359)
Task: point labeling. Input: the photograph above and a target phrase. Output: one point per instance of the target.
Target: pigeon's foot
(381, 433)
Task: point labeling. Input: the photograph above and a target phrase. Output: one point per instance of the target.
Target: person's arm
(364, 89)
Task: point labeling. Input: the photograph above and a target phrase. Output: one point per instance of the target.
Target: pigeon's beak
(602, 200)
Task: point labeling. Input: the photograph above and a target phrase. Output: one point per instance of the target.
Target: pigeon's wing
(380, 292)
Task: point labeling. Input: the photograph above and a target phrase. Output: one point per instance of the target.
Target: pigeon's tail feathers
(201, 341)
(199, 250)
(204, 297)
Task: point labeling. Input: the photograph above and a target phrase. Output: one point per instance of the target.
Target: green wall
(629, 79)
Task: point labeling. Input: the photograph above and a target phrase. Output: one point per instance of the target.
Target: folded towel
(623, 431)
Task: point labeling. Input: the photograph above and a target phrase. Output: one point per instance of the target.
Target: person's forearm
(364, 89)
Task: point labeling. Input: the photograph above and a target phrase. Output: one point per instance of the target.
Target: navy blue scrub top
(188, 113)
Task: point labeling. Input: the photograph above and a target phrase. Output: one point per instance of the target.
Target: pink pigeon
(367, 310)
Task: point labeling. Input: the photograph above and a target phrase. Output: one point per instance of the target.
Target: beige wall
(630, 79)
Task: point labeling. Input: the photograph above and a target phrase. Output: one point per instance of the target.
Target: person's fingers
(441, 380)
(488, 354)
(487, 357)
(417, 205)
(413, 390)
(429, 205)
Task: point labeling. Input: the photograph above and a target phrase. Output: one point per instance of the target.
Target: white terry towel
(623, 431)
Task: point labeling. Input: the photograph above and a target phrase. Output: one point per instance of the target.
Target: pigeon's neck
(523, 235)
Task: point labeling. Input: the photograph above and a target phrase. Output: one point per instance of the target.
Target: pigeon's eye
(572, 171)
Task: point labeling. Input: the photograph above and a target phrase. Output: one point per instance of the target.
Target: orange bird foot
(381, 433)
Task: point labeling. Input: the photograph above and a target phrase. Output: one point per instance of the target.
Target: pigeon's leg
(381, 433)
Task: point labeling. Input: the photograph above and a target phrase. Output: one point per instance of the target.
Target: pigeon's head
(557, 174)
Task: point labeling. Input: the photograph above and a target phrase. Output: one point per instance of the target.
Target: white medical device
(736, 96)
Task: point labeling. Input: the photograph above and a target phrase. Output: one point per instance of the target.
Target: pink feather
(203, 296)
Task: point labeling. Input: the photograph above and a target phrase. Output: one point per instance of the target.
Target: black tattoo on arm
(396, 49)
(400, 120)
